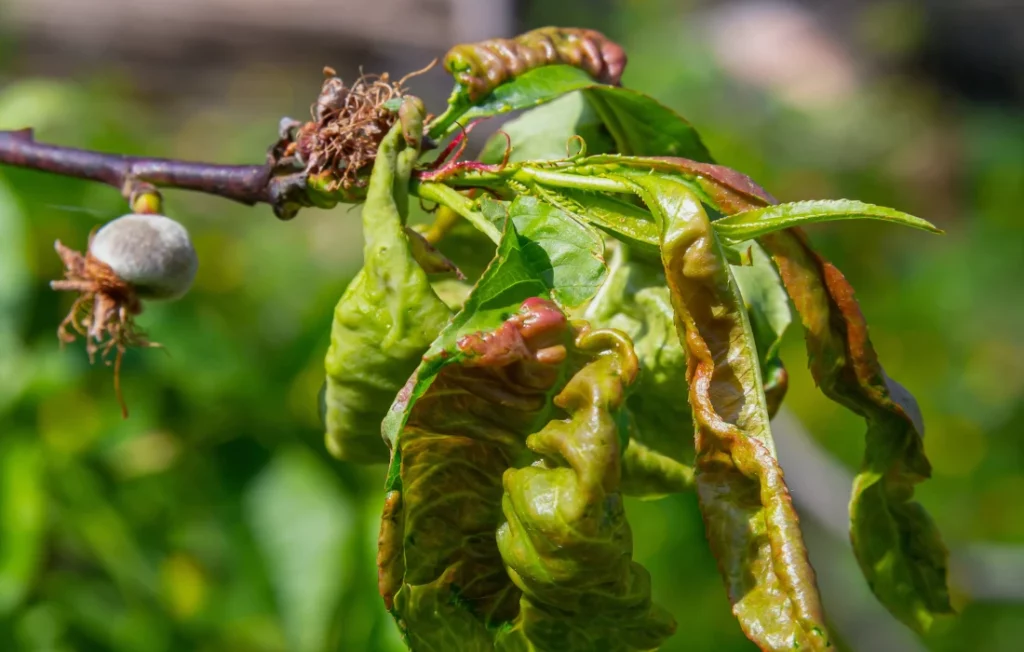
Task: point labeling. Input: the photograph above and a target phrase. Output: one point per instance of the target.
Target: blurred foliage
(214, 520)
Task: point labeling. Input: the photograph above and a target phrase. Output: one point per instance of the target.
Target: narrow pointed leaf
(749, 517)
(762, 221)
(897, 544)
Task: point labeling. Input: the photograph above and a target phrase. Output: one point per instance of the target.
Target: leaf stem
(531, 175)
(447, 196)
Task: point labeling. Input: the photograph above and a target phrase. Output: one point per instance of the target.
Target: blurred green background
(213, 518)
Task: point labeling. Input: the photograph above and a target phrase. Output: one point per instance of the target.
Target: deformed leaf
(762, 221)
(464, 419)
(479, 68)
(467, 418)
(385, 320)
(750, 521)
(636, 301)
(566, 542)
(897, 544)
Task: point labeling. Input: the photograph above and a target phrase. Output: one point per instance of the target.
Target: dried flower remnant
(133, 258)
(347, 126)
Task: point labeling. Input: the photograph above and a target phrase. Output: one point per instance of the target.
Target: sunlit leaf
(751, 525)
(567, 254)
(768, 310)
(613, 214)
(544, 133)
(897, 544)
(636, 122)
(762, 221)
(383, 323)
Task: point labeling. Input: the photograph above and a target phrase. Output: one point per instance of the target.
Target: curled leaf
(748, 514)
(481, 67)
(897, 544)
(636, 301)
(467, 417)
(386, 319)
(566, 541)
(463, 420)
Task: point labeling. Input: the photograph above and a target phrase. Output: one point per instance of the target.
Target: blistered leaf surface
(385, 320)
(748, 514)
(897, 544)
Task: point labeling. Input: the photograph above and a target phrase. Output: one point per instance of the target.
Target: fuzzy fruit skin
(151, 252)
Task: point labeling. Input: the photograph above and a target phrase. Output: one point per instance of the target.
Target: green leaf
(303, 524)
(613, 214)
(385, 320)
(443, 571)
(555, 257)
(762, 221)
(545, 132)
(530, 89)
(22, 517)
(566, 541)
(897, 544)
(567, 254)
(748, 514)
(637, 123)
(640, 125)
(723, 189)
(636, 301)
(768, 309)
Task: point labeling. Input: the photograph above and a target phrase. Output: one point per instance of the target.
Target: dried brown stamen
(103, 313)
(348, 123)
